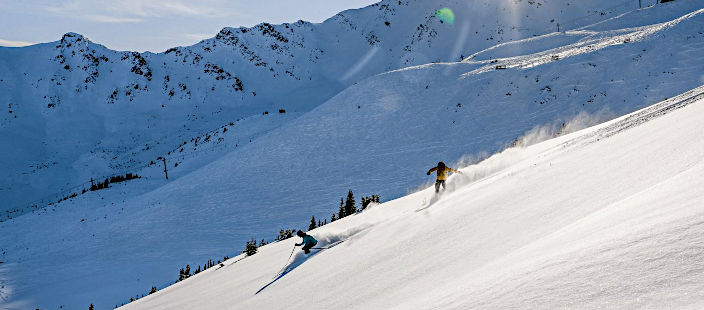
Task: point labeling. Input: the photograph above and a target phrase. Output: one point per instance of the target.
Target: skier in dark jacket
(308, 241)
(443, 172)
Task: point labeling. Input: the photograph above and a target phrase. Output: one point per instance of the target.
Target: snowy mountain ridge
(130, 108)
(252, 175)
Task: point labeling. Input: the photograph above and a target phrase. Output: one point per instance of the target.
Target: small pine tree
(341, 212)
(312, 223)
(154, 289)
(181, 275)
(91, 307)
(350, 208)
(263, 243)
(187, 272)
(333, 218)
(251, 247)
(365, 202)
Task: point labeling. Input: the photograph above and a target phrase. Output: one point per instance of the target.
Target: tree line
(347, 207)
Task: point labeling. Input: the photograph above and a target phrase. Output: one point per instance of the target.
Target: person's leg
(443, 184)
(307, 247)
(437, 186)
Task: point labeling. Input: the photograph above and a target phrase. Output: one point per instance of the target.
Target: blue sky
(150, 25)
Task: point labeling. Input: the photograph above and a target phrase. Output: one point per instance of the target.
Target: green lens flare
(445, 15)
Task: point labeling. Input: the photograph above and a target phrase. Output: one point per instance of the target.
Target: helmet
(441, 165)
(300, 233)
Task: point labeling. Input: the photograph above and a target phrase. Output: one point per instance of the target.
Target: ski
(285, 269)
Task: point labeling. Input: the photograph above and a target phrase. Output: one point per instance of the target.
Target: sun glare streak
(360, 64)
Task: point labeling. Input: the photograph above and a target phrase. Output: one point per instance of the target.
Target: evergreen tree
(312, 223)
(333, 218)
(365, 202)
(91, 307)
(154, 289)
(350, 208)
(181, 275)
(187, 272)
(106, 184)
(251, 247)
(341, 213)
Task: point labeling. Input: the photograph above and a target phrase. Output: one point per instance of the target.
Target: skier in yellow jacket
(442, 172)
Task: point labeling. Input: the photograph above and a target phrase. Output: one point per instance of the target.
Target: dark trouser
(307, 247)
(437, 185)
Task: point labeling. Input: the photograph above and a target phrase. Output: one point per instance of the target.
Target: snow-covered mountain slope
(378, 136)
(118, 111)
(608, 217)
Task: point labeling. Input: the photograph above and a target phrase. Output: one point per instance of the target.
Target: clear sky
(151, 25)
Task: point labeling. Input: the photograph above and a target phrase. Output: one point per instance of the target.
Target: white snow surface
(609, 217)
(119, 110)
(371, 130)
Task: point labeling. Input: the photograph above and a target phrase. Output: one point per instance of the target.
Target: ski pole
(289, 257)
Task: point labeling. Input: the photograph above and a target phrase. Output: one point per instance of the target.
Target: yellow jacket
(442, 174)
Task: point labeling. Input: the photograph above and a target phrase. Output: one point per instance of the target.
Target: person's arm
(453, 170)
(431, 170)
(303, 242)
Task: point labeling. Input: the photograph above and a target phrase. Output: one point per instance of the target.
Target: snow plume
(479, 166)
(347, 232)
(582, 120)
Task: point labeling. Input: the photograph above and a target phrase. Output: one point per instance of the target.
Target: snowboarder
(308, 241)
(442, 171)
